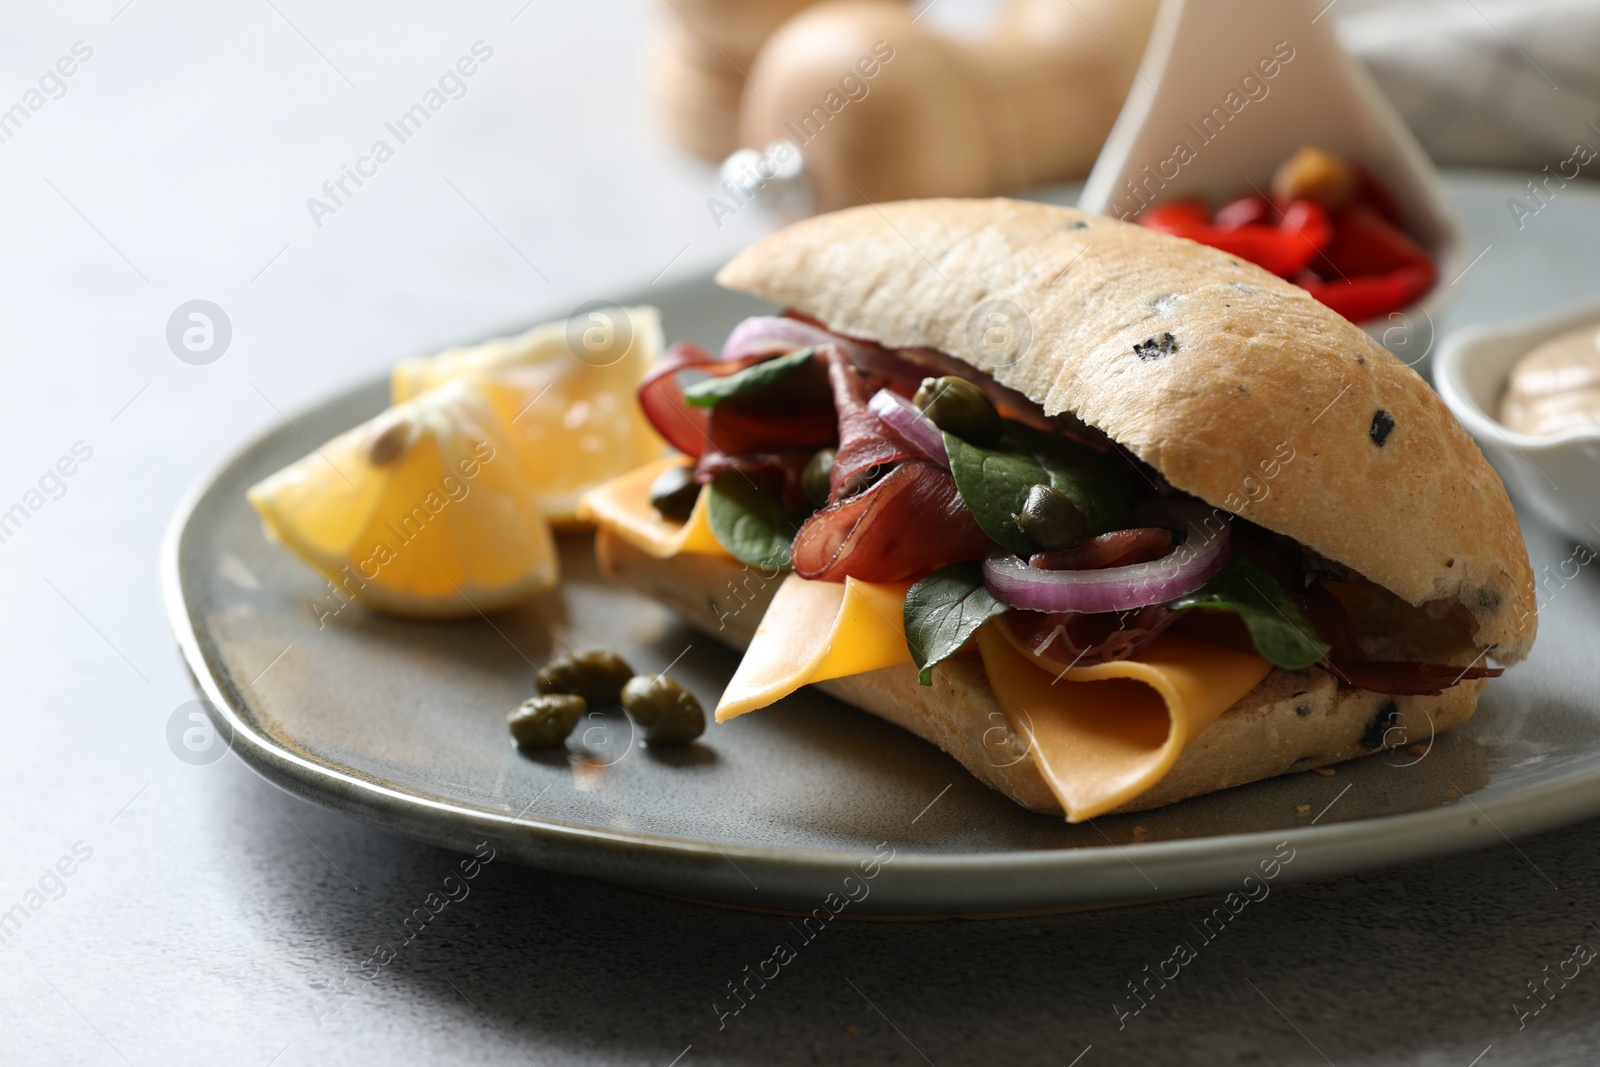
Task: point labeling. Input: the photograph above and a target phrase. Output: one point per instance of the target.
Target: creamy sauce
(1556, 386)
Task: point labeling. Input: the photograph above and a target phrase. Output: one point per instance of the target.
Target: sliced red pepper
(1366, 243)
(1372, 190)
(1308, 220)
(1175, 216)
(1357, 262)
(1374, 296)
(1252, 209)
(1284, 249)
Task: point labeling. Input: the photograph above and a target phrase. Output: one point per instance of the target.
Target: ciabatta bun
(1235, 385)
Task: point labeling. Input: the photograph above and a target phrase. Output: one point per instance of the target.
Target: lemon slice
(422, 511)
(564, 393)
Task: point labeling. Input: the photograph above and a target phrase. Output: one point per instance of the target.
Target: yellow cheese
(814, 631)
(1100, 735)
(622, 506)
(1104, 734)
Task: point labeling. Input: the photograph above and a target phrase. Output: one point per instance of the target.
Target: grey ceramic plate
(403, 725)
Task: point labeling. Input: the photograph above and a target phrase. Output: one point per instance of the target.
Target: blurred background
(203, 152)
(181, 158)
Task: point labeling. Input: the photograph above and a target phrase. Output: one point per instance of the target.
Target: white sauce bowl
(1556, 475)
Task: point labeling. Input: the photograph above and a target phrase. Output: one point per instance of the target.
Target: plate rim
(927, 883)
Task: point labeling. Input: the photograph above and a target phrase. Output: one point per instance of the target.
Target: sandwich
(1113, 518)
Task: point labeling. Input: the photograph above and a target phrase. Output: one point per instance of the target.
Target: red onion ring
(902, 416)
(1183, 570)
(764, 335)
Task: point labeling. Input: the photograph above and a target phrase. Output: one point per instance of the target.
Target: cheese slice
(1102, 735)
(622, 506)
(814, 631)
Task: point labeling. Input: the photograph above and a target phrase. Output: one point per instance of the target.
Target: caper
(674, 492)
(814, 480)
(668, 712)
(958, 407)
(594, 674)
(544, 722)
(1051, 519)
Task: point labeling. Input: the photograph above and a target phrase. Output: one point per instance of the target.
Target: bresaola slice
(798, 414)
(908, 523)
(1119, 548)
(1405, 678)
(1350, 664)
(1074, 639)
(865, 440)
(801, 417)
(776, 472)
(661, 396)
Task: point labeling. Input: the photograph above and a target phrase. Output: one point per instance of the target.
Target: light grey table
(208, 918)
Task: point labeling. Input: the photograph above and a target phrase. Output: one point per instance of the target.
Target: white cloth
(1499, 83)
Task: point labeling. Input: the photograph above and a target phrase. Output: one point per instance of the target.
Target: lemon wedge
(422, 511)
(564, 394)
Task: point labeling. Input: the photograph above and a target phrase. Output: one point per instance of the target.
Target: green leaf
(711, 391)
(994, 482)
(1281, 632)
(943, 610)
(749, 523)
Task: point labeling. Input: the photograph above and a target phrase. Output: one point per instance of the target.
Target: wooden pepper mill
(881, 108)
(698, 66)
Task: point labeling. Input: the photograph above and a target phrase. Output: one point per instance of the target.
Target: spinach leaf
(709, 392)
(943, 610)
(749, 523)
(994, 482)
(1281, 632)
